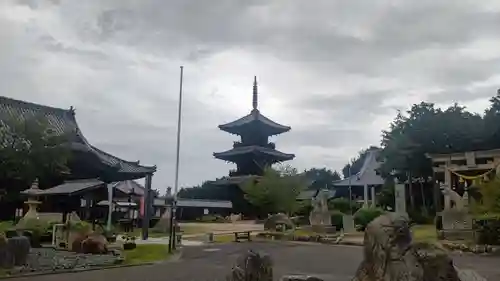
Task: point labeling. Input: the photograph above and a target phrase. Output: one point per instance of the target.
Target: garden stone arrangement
(17, 257)
(43, 260)
(389, 255)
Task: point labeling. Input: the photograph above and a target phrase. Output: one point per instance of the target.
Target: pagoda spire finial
(255, 94)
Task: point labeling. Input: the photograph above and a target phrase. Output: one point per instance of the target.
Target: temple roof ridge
(367, 175)
(63, 122)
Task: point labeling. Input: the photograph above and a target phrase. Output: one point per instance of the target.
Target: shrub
(365, 215)
(337, 219)
(212, 218)
(488, 229)
(343, 205)
(300, 220)
(81, 227)
(420, 217)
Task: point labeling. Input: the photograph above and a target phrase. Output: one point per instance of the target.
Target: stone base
(320, 228)
(457, 235)
(348, 224)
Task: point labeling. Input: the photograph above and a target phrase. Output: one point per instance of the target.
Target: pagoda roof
(367, 175)
(235, 180)
(63, 122)
(254, 119)
(231, 155)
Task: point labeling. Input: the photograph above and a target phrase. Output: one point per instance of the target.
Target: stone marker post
(400, 198)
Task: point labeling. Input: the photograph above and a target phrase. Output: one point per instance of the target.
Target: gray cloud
(334, 70)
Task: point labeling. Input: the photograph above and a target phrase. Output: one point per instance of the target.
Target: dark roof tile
(253, 149)
(63, 121)
(255, 117)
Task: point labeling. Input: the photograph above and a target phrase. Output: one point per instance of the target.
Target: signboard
(205, 211)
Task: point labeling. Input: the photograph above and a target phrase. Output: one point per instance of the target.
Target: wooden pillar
(147, 207)
(448, 183)
(365, 196)
(374, 199)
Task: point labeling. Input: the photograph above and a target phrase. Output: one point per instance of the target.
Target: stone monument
(400, 198)
(456, 220)
(320, 217)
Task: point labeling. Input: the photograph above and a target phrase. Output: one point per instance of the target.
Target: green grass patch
(6, 225)
(424, 233)
(146, 253)
(194, 229)
(224, 238)
(304, 232)
(153, 233)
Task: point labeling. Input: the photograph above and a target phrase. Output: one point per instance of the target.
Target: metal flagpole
(172, 240)
(350, 190)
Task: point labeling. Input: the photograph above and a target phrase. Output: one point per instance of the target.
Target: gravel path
(211, 263)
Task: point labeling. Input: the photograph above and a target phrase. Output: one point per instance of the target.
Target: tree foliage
(321, 178)
(428, 129)
(276, 191)
(489, 202)
(30, 149)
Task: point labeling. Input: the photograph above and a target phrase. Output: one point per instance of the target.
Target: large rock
(390, 255)
(95, 244)
(273, 221)
(14, 251)
(252, 266)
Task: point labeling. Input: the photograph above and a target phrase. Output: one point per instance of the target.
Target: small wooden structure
(242, 235)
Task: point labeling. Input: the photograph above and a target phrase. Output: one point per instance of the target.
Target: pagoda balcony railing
(270, 145)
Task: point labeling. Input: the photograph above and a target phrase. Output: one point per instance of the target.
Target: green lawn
(6, 225)
(146, 253)
(424, 233)
(151, 233)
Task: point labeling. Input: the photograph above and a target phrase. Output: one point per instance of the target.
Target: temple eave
(237, 156)
(252, 121)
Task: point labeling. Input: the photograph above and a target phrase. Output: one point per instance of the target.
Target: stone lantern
(32, 202)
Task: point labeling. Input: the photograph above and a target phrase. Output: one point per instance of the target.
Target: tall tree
(492, 121)
(30, 149)
(427, 129)
(321, 178)
(276, 191)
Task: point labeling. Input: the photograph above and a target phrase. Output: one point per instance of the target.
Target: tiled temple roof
(255, 118)
(230, 155)
(367, 175)
(63, 122)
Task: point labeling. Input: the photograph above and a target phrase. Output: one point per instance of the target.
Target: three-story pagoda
(254, 152)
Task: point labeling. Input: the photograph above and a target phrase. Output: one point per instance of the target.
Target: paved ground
(211, 263)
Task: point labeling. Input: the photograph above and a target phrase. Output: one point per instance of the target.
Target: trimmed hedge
(336, 218)
(365, 215)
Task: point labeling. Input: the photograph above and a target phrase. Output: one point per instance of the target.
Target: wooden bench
(242, 235)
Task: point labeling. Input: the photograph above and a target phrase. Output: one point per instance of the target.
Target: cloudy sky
(335, 71)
